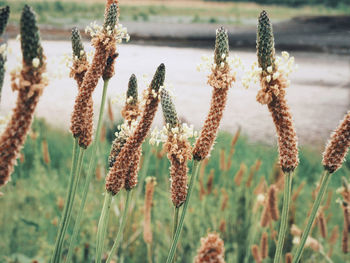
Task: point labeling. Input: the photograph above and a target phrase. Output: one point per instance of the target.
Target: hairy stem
(323, 187)
(121, 228)
(91, 169)
(284, 218)
(102, 226)
(183, 214)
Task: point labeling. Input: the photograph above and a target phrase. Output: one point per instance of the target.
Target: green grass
(31, 207)
(78, 12)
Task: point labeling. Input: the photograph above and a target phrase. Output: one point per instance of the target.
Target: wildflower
(256, 254)
(178, 150)
(338, 146)
(211, 249)
(264, 245)
(272, 202)
(127, 163)
(272, 93)
(29, 87)
(81, 124)
(131, 110)
(4, 17)
(147, 231)
(221, 80)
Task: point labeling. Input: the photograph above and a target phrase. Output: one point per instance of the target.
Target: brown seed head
(127, 163)
(29, 84)
(264, 245)
(289, 257)
(256, 253)
(272, 202)
(221, 80)
(240, 173)
(338, 146)
(147, 229)
(211, 250)
(272, 93)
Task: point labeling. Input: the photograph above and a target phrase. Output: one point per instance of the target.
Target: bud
(4, 17)
(169, 111)
(265, 43)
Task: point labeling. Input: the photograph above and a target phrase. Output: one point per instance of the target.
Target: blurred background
(179, 33)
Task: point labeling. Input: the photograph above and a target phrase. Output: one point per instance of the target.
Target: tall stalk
(57, 250)
(284, 217)
(91, 169)
(176, 220)
(323, 187)
(121, 227)
(102, 226)
(172, 250)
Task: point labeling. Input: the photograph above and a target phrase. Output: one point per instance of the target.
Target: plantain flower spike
(80, 63)
(126, 166)
(4, 17)
(265, 42)
(29, 83)
(221, 80)
(111, 17)
(131, 110)
(273, 92)
(338, 146)
(169, 111)
(211, 250)
(178, 150)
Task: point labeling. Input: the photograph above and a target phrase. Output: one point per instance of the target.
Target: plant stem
(149, 253)
(121, 228)
(323, 187)
(57, 250)
(91, 169)
(176, 220)
(183, 214)
(284, 218)
(102, 226)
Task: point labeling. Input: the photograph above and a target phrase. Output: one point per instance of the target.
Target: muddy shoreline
(329, 34)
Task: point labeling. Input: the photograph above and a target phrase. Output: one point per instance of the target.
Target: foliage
(32, 202)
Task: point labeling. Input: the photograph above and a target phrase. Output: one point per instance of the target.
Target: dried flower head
(221, 80)
(131, 110)
(178, 150)
(29, 83)
(272, 93)
(338, 146)
(147, 229)
(211, 250)
(256, 253)
(127, 163)
(104, 42)
(264, 245)
(289, 257)
(272, 202)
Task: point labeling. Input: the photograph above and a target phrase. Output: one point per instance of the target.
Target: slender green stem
(121, 228)
(284, 218)
(91, 169)
(56, 253)
(102, 226)
(323, 187)
(176, 220)
(149, 253)
(172, 250)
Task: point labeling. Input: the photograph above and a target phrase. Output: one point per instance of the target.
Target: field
(77, 12)
(33, 200)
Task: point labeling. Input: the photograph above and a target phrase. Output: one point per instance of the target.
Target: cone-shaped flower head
(221, 80)
(111, 17)
(265, 42)
(338, 146)
(272, 93)
(4, 17)
(169, 111)
(221, 46)
(132, 94)
(77, 44)
(30, 39)
(126, 166)
(29, 83)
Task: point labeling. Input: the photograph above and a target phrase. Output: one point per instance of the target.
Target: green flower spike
(221, 46)
(169, 111)
(265, 42)
(132, 90)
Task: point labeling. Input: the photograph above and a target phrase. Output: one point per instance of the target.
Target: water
(318, 95)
